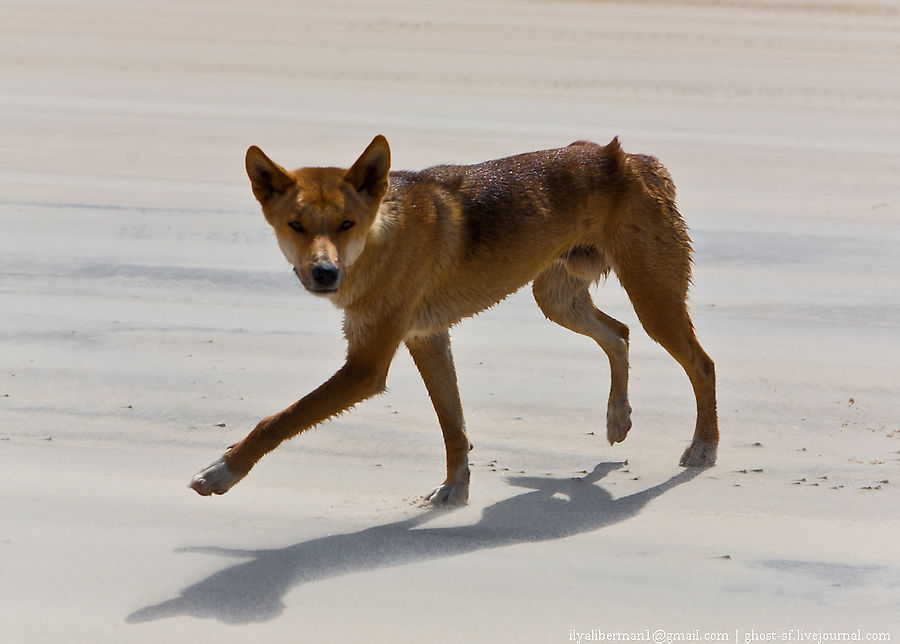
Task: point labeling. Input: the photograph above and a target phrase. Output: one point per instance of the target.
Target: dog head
(321, 216)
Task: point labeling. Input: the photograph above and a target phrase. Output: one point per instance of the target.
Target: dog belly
(453, 303)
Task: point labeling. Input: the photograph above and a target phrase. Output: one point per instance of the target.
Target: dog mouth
(316, 286)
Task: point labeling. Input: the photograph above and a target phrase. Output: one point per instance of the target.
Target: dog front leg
(357, 380)
(435, 363)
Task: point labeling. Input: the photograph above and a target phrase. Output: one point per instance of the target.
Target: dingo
(407, 255)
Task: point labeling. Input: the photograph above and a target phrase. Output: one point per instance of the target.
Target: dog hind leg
(656, 276)
(564, 298)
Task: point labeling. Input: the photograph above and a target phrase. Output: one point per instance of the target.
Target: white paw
(699, 454)
(448, 494)
(618, 422)
(451, 492)
(215, 479)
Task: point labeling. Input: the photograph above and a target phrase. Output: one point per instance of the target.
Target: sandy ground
(147, 320)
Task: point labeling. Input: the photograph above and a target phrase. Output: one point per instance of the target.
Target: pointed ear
(369, 175)
(269, 180)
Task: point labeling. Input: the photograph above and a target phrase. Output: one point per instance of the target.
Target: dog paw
(618, 422)
(218, 478)
(452, 492)
(699, 454)
(447, 495)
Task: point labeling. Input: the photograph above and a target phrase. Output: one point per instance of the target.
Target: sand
(148, 321)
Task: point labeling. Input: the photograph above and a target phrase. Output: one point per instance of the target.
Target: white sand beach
(148, 320)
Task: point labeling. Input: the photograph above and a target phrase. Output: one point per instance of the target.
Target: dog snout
(325, 276)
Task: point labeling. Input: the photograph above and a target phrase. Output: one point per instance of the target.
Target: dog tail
(653, 175)
(616, 157)
(648, 233)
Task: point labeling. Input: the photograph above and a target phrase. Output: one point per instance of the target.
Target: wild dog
(406, 255)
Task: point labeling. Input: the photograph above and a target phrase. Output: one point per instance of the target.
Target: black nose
(325, 275)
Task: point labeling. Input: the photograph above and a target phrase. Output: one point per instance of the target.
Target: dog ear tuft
(268, 179)
(369, 175)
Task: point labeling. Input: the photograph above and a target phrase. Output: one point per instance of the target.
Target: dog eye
(346, 225)
(296, 226)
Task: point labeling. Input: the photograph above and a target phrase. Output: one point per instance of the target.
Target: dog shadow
(252, 591)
